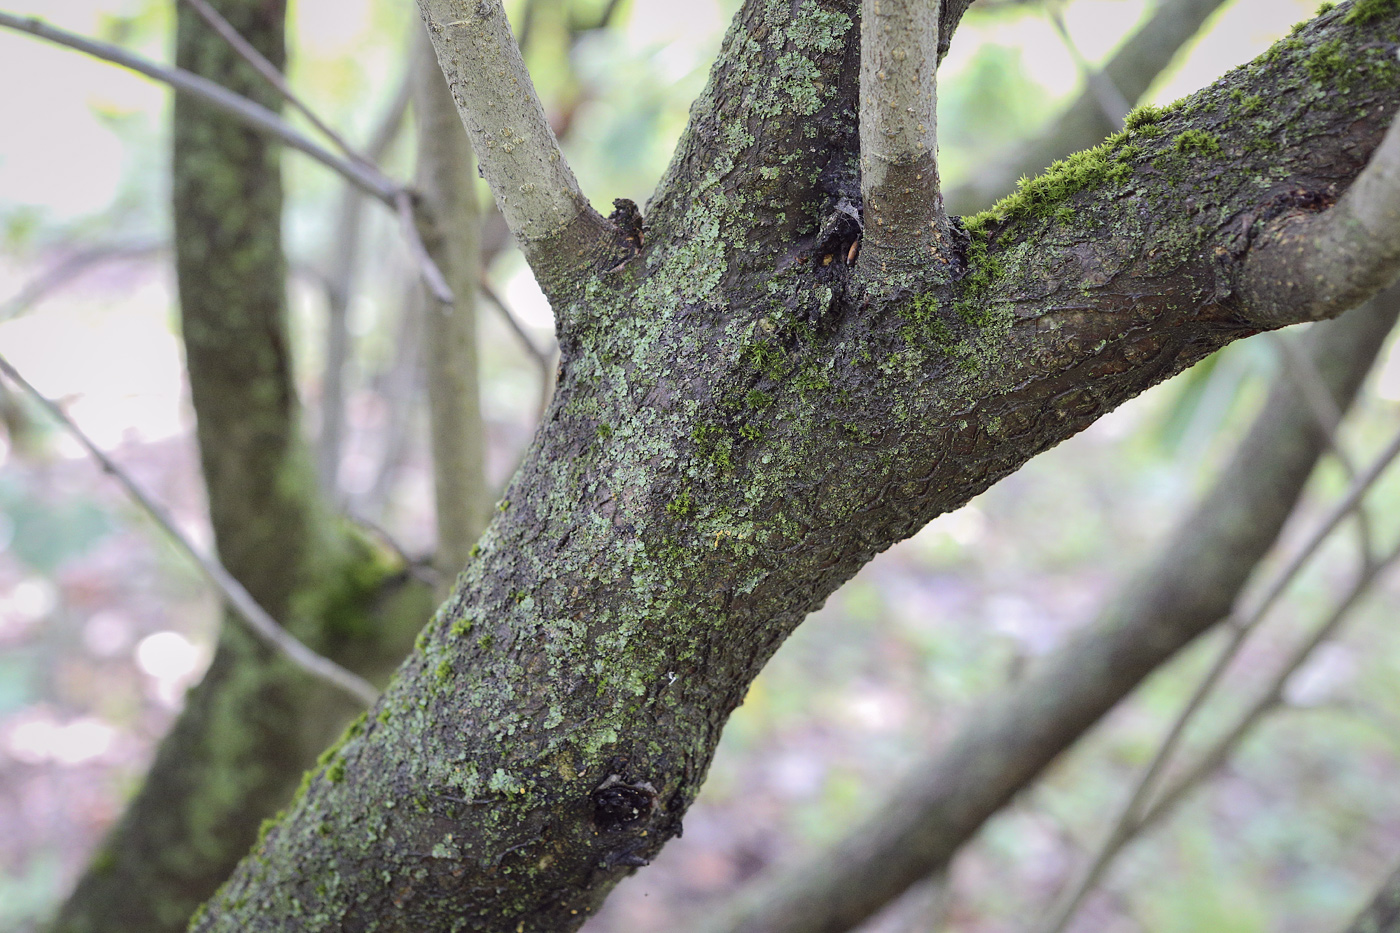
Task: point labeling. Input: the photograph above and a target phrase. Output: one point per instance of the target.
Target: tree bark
(742, 421)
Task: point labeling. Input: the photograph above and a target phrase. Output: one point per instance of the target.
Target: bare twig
(369, 179)
(536, 353)
(1110, 100)
(238, 599)
(70, 268)
(432, 275)
(271, 73)
(1301, 369)
(1130, 816)
(1269, 699)
(338, 282)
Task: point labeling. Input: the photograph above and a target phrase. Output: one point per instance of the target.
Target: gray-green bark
(740, 424)
(255, 722)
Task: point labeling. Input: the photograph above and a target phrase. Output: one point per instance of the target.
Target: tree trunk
(745, 417)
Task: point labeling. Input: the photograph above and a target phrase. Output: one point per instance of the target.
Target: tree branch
(1306, 265)
(905, 226)
(1188, 587)
(536, 191)
(233, 593)
(273, 76)
(369, 179)
(1132, 814)
(450, 214)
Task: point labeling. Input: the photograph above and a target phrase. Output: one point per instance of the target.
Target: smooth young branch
(1309, 265)
(535, 189)
(904, 220)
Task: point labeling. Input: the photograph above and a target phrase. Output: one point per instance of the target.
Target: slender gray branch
(1307, 265)
(238, 599)
(339, 285)
(904, 220)
(535, 189)
(271, 74)
(1130, 817)
(369, 180)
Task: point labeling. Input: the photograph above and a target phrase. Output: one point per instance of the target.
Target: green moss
(336, 772)
(1327, 61)
(1197, 142)
(758, 400)
(1141, 116)
(1326, 8)
(605, 431)
(502, 505)
(1368, 11)
(461, 627)
(443, 673)
(1041, 197)
(750, 433)
(681, 506)
(1245, 105)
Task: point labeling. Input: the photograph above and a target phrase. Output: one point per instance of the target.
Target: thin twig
(1106, 94)
(432, 275)
(539, 355)
(1129, 816)
(271, 74)
(235, 595)
(419, 568)
(368, 178)
(1301, 370)
(69, 269)
(1269, 699)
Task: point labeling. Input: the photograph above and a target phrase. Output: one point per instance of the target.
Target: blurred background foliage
(102, 626)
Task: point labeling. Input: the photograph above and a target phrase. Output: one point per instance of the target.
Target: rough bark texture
(1190, 586)
(255, 722)
(740, 424)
